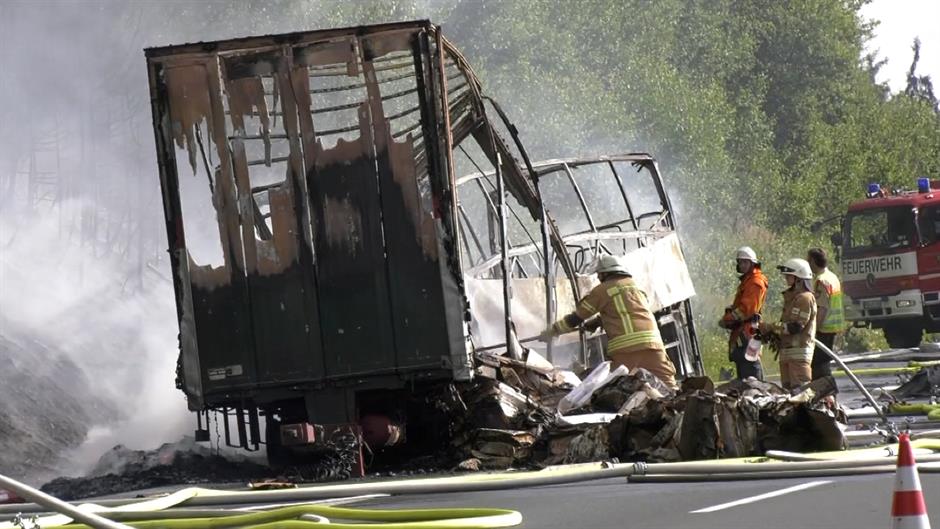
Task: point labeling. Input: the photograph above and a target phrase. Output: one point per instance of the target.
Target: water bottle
(752, 353)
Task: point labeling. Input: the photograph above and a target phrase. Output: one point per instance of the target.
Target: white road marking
(759, 497)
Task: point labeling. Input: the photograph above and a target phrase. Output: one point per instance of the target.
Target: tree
(919, 86)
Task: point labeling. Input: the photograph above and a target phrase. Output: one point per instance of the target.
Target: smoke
(123, 339)
(83, 267)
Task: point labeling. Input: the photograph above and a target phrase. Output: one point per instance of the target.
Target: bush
(862, 340)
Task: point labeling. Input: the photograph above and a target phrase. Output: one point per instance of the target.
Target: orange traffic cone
(908, 510)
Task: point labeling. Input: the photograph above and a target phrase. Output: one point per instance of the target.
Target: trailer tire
(903, 335)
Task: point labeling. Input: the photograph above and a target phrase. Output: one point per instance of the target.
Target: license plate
(871, 305)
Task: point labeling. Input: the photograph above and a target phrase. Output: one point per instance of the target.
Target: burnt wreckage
(332, 272)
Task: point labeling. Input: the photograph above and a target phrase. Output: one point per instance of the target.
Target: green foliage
(860, 340)
(765, 114)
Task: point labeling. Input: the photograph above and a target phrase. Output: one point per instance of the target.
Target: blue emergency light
(923, 184)
(874, 190)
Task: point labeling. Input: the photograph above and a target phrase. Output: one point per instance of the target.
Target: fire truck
(891, 262)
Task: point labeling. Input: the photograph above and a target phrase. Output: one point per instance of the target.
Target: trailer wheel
(903, 335)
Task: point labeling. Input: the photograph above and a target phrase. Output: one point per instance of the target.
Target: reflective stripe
(636, 338)
(835, 316)
(616, 294)
(562, 327)
(587, 306)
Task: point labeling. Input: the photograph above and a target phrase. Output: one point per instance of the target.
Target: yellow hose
(456, 518)
(914, 363)
(867, 453)
(913, 409)
(877, 371)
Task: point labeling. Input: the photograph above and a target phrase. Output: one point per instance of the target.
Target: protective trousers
(653, 360)
(794, 373)
(822, 363)
(745, 367)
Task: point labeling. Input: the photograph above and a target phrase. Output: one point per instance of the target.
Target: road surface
(846, 502)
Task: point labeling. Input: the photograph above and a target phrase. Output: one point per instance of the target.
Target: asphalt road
(847, 502)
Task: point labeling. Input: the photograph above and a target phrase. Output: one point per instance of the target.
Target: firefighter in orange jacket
(622, 309)
(739, 317)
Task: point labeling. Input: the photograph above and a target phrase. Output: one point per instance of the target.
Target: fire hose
(152, 514)
(858, 383)
(776, 466)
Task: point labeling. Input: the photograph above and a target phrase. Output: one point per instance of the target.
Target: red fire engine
(891, 262)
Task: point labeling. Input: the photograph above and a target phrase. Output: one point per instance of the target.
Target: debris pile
(187, 462)
(923, 384)
(527, 413)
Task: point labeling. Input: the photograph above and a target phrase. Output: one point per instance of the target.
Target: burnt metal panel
(347, 233)
(415, 291)
(225, 344)
(189, 372)
(278, 270)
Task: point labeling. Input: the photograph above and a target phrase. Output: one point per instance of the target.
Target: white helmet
(746, 253)
(798, 268)
(610, 264)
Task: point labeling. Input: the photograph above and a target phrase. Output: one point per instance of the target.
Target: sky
(901, 21)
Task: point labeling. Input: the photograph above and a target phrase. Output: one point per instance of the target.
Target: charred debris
(531, 415)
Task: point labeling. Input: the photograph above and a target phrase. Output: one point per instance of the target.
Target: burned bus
(328, 263)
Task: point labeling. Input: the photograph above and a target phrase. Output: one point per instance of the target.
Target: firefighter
(623, 310)
(793, 335)
(830, 320)
(738, 318)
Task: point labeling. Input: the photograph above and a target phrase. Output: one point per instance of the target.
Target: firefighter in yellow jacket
(623, 310)
(830, 319)
(796, 330)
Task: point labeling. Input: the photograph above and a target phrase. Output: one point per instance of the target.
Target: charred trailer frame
(311, 206)
(613, 205)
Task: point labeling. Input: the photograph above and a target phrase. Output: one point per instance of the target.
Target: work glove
(793, 327)
(771, 329)
(547, 335)
(592, 324)
(728, 321)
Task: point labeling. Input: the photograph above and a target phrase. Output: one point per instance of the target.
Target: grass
(714, 348)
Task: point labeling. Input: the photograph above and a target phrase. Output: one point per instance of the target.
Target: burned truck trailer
(324, 275)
